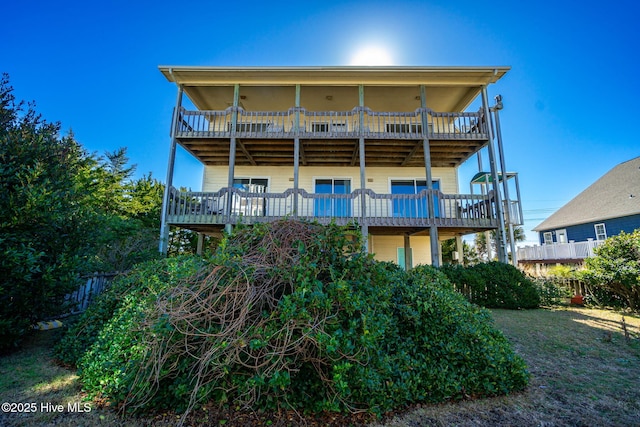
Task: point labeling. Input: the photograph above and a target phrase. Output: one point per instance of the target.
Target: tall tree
(469, 256)
(63, 212)
(130, 223)
(43, 221)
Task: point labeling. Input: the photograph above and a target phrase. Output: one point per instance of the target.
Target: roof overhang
(429, 76)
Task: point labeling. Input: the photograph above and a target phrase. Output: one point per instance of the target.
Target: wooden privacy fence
(88, 291)
(577, 286)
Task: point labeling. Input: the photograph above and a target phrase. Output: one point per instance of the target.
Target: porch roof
(271, 88)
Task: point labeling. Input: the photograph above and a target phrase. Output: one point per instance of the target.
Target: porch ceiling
(448, 89)
(322, 152)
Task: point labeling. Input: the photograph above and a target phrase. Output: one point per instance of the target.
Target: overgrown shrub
(494, 285)
(296, 315)
(143, 282)
(601, 296)
(551, 292)
(562, 271)
(615, 268)
(63, 213)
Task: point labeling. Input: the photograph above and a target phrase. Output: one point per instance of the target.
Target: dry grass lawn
(584, 373)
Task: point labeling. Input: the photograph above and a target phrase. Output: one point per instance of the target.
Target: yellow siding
(385, 248)
(281, 177)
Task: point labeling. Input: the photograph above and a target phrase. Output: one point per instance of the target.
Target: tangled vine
(223, 318)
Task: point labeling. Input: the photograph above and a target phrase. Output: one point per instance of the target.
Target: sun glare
(372, 55)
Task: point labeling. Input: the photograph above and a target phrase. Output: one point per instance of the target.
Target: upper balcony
(331, 138)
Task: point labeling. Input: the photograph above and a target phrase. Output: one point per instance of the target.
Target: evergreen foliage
(42, 217)
(63, 212)
(494, 285)
(289, 315)
(615, 269)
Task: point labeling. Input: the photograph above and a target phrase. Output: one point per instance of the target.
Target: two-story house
(373, 147)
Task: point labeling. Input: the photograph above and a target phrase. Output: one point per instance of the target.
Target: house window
(332, 206)
(601, 231)
(404, 128)
(252, 185)
(249, 127)
(561, 236)
(250, 205)
(325, 127)
(548, 238)
(413, 207)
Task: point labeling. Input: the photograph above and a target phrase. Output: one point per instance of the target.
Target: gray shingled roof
(616, 194)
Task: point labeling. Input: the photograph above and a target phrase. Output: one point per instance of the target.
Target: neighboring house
(375, 147)
(606, 208)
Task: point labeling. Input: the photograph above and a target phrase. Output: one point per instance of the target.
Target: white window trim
(548, 234)
(314, 179)
(250, 178)
(409, 178)
(604, 229)
(314, 182)
(560, 232)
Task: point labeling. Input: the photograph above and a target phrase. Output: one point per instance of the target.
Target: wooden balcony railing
(233, 206)
(558, 251)
(360, 121)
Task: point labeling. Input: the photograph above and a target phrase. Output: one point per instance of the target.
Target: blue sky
(570, 100)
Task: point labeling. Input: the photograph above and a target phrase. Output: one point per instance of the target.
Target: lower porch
(388, 214)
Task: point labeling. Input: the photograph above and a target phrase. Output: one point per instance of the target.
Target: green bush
(562, 271)
(602, 296)
(145, 281)
(62, 211)
(41, 221)
(615, 268)
(551, 292)
(494, 285)
(294, 315)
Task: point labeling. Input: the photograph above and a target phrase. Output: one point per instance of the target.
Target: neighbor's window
(601, 232)
(548, 238)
